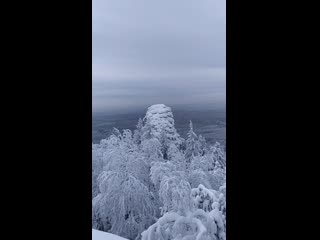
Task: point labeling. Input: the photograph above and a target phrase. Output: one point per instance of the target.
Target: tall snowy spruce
(154, 185)
(137, 135)
(193, 146)
(159, 123)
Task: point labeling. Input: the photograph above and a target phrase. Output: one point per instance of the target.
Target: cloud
(146, 51)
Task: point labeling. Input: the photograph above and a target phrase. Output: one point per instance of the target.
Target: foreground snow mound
(99, 235)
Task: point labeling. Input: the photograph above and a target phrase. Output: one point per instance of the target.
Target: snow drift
(98, 235)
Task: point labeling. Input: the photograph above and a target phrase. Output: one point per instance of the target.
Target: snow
(159, 118)
(99, 235)
(149, 185)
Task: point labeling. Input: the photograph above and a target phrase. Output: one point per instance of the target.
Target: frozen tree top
(160, 118)
(159, 109)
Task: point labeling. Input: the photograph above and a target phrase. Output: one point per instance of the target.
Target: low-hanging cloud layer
(168, 51)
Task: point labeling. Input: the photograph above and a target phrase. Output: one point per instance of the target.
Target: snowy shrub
(160, 170)
(175, 194)
(214, 203)
(202, 221)
(203, 197)
(196, 177)
(194, 225)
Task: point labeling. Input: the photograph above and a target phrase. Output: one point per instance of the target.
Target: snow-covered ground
(98, 235)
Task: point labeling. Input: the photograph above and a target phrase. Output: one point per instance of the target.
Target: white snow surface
(99, 235)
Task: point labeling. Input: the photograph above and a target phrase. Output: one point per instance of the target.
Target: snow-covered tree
(214, 203)
(152, 179)
(218, 156)
(176, 156)
(197, 221)
(217, 166)
(165, 142)
(198, 176)
(137, 135)
(151, 149)
(202, 145)
(159, 170)
(97, 167)
(205, 198)
(174, 194)
(158, 120)
(193, 147)
(201, 171)
(116, 132)
(124, 205)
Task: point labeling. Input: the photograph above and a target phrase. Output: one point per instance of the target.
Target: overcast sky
(158, 51)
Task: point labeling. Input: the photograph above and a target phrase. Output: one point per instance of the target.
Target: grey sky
(158, 51)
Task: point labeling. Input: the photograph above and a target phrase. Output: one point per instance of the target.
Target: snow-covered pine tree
(164, 141)
(158, 120)
(216, 165)
(192, 144)
(116, 132)
(218, 155)
(202, 145)
(137, 134)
